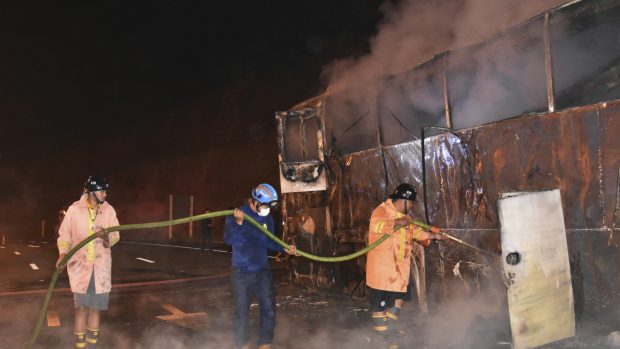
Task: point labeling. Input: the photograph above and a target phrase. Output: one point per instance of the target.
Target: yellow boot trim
(392, 316)
(80, 339)
(380, 328)
(91, 340)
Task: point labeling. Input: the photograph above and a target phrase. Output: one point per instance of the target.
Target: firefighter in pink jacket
(89, 268)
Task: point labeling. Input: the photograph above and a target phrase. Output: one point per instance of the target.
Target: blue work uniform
(251, 274)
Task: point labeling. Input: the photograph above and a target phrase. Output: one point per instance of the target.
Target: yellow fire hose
(63, 262)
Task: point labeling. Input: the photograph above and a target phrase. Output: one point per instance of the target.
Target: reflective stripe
(91, 341)
(392, 316)
(380, 328)
(90, 256)
(80, 337)
(379, 226)
(379, 320)
(63, 246)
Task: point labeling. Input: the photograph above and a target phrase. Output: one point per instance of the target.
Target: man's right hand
(238, 214)
(60, 257)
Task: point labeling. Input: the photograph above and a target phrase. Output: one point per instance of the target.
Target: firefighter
(90, 267)
(251, 275)
(388, 265)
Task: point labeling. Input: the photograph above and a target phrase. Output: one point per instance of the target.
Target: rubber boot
(80, 340)
(379, 322)
(92, 336)
(392, 318)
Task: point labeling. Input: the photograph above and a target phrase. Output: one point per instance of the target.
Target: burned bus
(513, 146)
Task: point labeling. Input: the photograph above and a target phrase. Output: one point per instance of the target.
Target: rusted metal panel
(358, 186)
(542, 152)
(609, 123)
(574, 150)
(598, 270)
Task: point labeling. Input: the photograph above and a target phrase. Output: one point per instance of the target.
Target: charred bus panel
(536, 108)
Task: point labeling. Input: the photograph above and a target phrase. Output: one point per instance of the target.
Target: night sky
(170, 97)
(105, 87)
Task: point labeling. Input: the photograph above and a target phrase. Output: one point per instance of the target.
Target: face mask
(263, 211)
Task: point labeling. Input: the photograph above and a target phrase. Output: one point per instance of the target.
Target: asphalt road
(28, 265)
(162, 295)
(173, 297)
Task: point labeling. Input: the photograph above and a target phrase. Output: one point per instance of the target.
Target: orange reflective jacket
(388, 265)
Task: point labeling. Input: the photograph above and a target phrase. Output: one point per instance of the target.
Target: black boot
(92, 336)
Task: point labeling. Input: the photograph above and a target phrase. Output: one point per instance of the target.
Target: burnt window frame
(306, 170)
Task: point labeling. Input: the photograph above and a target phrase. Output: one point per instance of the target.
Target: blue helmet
(265, 194)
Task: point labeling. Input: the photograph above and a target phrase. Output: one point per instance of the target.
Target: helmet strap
(99, 202)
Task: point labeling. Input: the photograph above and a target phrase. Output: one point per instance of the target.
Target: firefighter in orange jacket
(388, 265)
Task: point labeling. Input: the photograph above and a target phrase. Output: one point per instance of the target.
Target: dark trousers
(244, 286)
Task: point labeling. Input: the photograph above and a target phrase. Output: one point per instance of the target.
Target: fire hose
(63, 262)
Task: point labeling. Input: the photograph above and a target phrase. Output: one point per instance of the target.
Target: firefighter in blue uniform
(251, 275)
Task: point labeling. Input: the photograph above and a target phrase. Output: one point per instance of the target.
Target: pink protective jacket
(77, 225)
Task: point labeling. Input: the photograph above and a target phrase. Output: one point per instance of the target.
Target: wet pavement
(183, 301)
